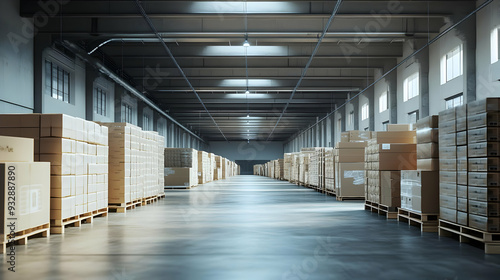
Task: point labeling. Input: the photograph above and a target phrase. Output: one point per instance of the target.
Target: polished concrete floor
(249, 227)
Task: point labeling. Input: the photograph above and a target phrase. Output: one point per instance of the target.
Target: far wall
(241, 150)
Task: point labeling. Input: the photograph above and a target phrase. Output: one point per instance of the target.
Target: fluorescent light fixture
(248, 115)
(246, 44)
(247, 91)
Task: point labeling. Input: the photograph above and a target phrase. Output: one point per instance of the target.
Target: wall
(16, 61)
(241, 150)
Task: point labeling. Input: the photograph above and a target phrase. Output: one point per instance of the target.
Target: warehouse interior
(253, 82)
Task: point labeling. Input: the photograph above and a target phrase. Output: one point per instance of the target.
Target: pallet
(58, 226)
(149, 200)
(21, 237)
(330, 192)
(489, 241)
(388, 212)
(123, 207)
(177, 187)
(342, 198)
(426, 222)
(160, 196)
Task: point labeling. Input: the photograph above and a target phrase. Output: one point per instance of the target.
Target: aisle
(248, 227)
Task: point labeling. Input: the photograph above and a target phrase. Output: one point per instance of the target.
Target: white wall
(241, 150)
(109, 87)
(487, 74)
(380, 88)
(16, 61)
(403, 72)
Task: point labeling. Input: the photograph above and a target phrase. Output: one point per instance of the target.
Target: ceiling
(206, 38)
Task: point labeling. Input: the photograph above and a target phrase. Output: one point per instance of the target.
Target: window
(145, 122)
(411, 87)
(100, 101)
(56, 81)
(413, 117)
(384, 125)
(495, 50)
(455, 101)
(382, 102)
(365, 111)
(351, 118)
(452, 65)
(126, 113)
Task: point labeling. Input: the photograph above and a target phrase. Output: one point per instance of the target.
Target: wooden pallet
(58, 226)
(160, 196)
(149, 200)
(388, 212)
(342, 198)
(330, 192)
(177, 187)
(426, 222)
(489, 241)
(21, 237)
(123, 207)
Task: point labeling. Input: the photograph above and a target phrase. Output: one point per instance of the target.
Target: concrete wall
(16, 60)
(241, 150)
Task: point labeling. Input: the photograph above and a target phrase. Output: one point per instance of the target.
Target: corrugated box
(427, 150)
(408, 137)
(489, 224)
(447, 140)
(351, 145)
(16, 149)
(462, 191)
(462, 218)
(461, 138)
(422, 189)
(351, 180)
(490, 209)
(485, 149)
(448, 214)
(180, 176)
(483, 105)
(448, 201)
(399, 127)
(449, 189)
(484, 179)
(427, 122)
(483, 119)
(447, 164)
(484, 194)
(462, 178)
(462, 204)
(428, 164)
(486, 164)
(390, 188)
(447, 115)
(461, 152)
(484, 134)
(448, 177)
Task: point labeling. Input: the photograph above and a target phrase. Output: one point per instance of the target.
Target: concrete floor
(249, 227)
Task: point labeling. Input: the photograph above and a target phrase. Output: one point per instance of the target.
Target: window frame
(126, 112)
(63, 95)
(100, 101)
(495, 45)
(411, 86)
(365, 111)
(383, 99)
(146, 122)
(454, 101)
(453, 58)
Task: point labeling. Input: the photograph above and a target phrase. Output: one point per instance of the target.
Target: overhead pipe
(399, 64)
(103, 69)
(162, 42)
(334, 12)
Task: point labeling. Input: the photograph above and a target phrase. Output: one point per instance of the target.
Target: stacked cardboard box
(420, 188)
(355, 136)
(211, 157)
(270, 169)
(315, 168)
(461, 164)
(78, 152)
(24, 190)
(386, 155)
(218, 168)
(160, 144)
(225, 168)
(279, 169)
(287, 166)
(258, 169)
(294, 178)
(483, 193)
(329, 170)
(448, 165)
(349, 169)
(133, 167)
(181, 167)
(304, 158)
(203, 167)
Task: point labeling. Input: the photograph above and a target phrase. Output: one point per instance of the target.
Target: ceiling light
(247, 91)
(248, 115)
(246, 43)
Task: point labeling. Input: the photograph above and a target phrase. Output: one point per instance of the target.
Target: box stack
(211, 157)
(78, 152)
(218, 168)
(279, 169)
(349, 169)
(203, 167)
(483, 120)
(32, 192)
(258, 169)
(304, 157)
(386, 155)
(151, 153)
(448, 165)
(225, 168)
(355, 136)
(270, 168)
(295, 168)
(287, 166)
(329, 171)
(461, 164)
(181, 167)
(316, 168)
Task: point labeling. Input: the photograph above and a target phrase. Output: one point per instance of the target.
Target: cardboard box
(461, 138)
(462, 204)
(394, 148)
(448, 214)
(484, 194)
(490, 209)
(428, 164)
(427, 135)
(485, 149)
(359, 135)
(62, 186)
(447, 164)
(462, 191)
(344, 137)
(180, 176)
(16, 149)
(447, 115)
(448, 177)
(351, 180)
(449, 202)
(447, 140)
(349, 159)
(448, 189)
(427, 122)
(62, 208)
(403, 161)
(461, 111)
(462, 218)
(449, 127)
(32, 197)
(351, 153)
(427, 150)
(483, 105)
(489, 224)
(56, 145)
(462, 178)
(462, 165)
(399, 127)
(59, 125)
(484, 179)
(20, 120)
(483, 119)
(389, 137)
(461, 152)
(390, 188)
(461, 124)
(422, 190)
(350, 145)
(484, 134)
(487, 164)
(448, 152)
